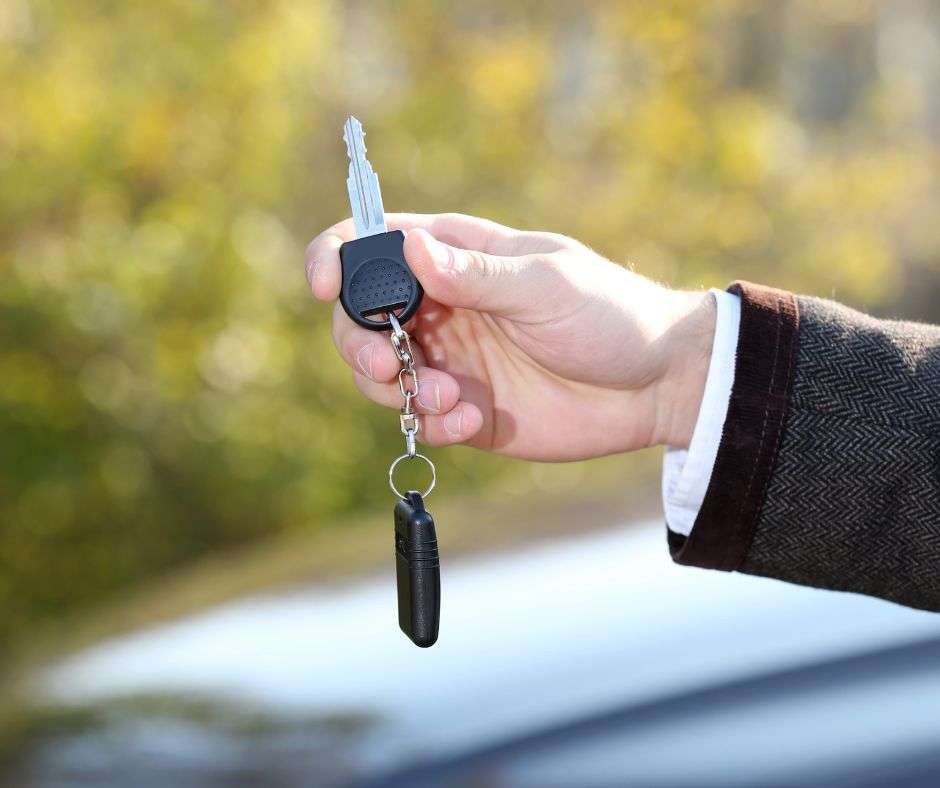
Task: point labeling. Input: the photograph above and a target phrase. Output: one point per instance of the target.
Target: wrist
(688, 346)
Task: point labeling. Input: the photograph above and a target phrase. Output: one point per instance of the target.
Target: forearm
(827, 470)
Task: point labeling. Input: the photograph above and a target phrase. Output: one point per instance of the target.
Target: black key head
(376, 280)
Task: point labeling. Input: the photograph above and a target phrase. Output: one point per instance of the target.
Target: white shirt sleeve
(686, 473)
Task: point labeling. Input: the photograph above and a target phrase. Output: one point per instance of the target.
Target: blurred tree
(166, 384)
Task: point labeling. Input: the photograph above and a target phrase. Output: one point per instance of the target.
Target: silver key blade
(365, 197)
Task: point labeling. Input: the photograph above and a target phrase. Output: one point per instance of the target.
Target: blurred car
(587, 662)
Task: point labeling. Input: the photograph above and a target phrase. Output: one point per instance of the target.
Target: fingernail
(453, 422)
(365, 358)
(429, 395)
(311, 270)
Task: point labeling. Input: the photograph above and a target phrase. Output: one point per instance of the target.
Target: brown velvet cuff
(757, 410)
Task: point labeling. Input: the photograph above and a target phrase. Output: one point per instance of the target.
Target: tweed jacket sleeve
(828, 470)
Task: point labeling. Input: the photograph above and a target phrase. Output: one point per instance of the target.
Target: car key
(418, 570)
(376, 278)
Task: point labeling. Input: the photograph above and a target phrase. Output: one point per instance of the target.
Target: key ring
(394, 465)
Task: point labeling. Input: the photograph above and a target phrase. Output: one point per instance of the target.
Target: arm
(531, 345)
(827, 470)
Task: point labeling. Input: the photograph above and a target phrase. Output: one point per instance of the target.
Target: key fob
(377, 279)
(418, 569)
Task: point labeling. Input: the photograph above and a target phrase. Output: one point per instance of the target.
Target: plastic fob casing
(376, 280)
(418, 569)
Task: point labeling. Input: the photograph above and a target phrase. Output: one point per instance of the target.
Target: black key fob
(418, 568)
(377, 279)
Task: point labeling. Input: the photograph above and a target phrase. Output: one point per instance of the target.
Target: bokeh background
(175, 427)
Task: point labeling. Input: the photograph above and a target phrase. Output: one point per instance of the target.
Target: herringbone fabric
(853, 500)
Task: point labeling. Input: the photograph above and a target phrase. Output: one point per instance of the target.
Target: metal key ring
(394, 465)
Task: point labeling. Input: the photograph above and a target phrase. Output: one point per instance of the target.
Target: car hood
(529, 639)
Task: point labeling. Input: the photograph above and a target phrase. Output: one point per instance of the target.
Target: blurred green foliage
(167, 386)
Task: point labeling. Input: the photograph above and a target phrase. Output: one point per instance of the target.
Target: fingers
(445, 419)
(321, 260)
(459, 425)
(479, 280)
(438, 392)
(322, 256)
(369, 353)
(457, 229)
(453, 275)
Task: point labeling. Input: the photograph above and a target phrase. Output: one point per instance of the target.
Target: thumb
(472, 279)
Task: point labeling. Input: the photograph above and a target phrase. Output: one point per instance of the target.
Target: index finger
(467, 232)
(321, 260)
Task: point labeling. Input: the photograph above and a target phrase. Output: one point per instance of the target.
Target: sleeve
(827, 473)
(686, 473)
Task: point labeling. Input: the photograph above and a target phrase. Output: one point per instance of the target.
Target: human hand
(529, 344)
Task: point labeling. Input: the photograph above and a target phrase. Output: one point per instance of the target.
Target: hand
(528, 343)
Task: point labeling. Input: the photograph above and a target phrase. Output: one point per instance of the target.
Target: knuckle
(555, 265)
(315, 248)
(445, 227)
(451, 217)
(559, 241)
(484, 265)
(453, 261)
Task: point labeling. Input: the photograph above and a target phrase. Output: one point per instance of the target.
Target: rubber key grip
(418, 570)
(377, 279)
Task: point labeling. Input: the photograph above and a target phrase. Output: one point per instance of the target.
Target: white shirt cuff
(686, 474)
